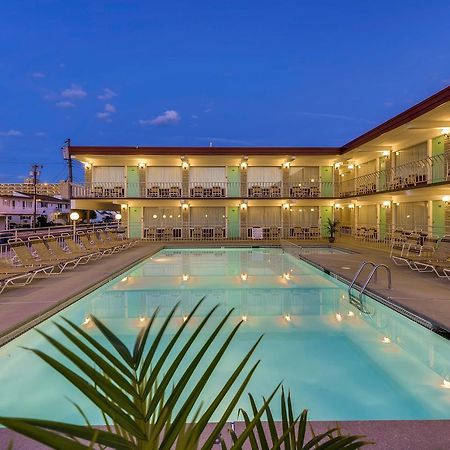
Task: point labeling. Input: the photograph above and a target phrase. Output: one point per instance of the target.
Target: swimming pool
(339, 363)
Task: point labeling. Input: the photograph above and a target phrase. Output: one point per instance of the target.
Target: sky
(187, 73)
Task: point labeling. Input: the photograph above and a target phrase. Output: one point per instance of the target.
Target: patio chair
(216, 191)
(255, 191)
(198, 191)
(103, 244)
(174, 191)
(297, 233)
(168, 234)
(274, 233)
(153, 191)
(218, 233)
(197, 233)
(119, 238)
(275, 191)
(314, 232)
(150, 233)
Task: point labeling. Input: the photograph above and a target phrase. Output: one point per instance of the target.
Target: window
(43, 204)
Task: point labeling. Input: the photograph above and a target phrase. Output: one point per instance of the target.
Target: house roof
(404, 117)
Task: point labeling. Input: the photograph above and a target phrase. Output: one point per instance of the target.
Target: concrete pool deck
(423, 294)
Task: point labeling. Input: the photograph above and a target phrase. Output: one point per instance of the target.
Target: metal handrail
(374, 270)
(361, 267)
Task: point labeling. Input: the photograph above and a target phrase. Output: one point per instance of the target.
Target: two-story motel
(394, 177)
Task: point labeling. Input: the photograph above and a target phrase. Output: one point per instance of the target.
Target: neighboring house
(17, 208)
(393, 177)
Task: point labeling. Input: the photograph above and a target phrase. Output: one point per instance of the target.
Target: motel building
(394, 178)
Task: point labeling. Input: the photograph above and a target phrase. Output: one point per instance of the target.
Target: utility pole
(67, 156)
(35, 172)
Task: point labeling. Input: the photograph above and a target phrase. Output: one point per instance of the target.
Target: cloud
(207, 110)
(65, 104)
(108, 94)
(110, 108)
(168, 117)
(11, 133)
(106, 113)
(194, 116)
(38, 75)
(388, 104)
(40, 134)
(74, 91)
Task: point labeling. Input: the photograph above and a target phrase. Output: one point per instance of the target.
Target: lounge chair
(14, 276)
(44, 255)
(435, 263)
(56, 249)
(103, 244)
(76, 249)
(91, 247)
(115, 237)
(25, 259)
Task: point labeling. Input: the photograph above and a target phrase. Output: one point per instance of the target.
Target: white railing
(267, 189)
(207, 189)
(169, 189)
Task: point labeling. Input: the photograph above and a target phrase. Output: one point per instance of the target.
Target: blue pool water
(337, 362)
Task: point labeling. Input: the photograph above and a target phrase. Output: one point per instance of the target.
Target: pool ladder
(358, 301)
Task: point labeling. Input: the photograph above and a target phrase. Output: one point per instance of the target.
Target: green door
(233, 222)
(382, 180)
(135, 222)
(438, 149)
(233, 177)
(326, 212)
(133, 182)
(326, 177)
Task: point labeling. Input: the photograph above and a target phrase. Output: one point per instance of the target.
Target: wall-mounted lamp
(337, 165)
(446, 199)
(118, 217)
(385, 152)
(397, 153)
(87, 165)
(286, 165)
(185, 165)
(185, 206)
(123, 207)
(185, 277)
(141, 165)
(337, 206)
(244, 165)
(243, 206)
(244, 276)
(386, 204)
(286, 206)
(351, 206)
(351, 166)
(445, 131)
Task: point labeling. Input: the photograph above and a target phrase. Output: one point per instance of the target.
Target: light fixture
(87, 165)
(446, 199)
(124, 206)
(386, 204)
(185, 206)
(445, 383)
(351, 166)
(445, 131)
(286, 206)
(74, 216)
(287, 276)
(286, 165)
(339, 317)
(124, 279)
(184, 164)
(351, 206)
(141, 165)
(185, 277)
(351, 314)
(397, 153)
(397, 204)
(185, 318)
(337, 165)
(337, 206)
(312, 209)
(164, 216)
(386, 340)
(244, 206)
(87, 319)
(287, 317)
(155, 216)
(385, 152)
(118, 216)
(244, 165)
(141, 318)
(244, 318)
(300, 210)
(244, 276)
(312, 180)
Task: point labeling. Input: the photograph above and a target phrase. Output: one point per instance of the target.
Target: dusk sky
(184, 73)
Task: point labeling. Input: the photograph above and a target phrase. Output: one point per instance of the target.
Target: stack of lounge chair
(50, 255)
(424, 255)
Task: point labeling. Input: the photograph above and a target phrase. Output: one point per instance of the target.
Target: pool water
(337, 362)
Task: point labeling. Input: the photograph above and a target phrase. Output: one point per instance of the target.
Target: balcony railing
(435, 169)
(111, 189)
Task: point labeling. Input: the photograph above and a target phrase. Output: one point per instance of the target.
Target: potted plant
(331, 226)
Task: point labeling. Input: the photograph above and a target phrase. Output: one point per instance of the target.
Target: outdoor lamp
(118, 216)
(74, 216)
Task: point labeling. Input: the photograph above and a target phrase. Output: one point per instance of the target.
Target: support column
(285, 220)
(185, 181)
(142, 171)
(285, 180)
(185, 220)
(243, 180)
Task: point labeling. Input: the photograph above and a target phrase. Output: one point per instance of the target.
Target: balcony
(435, 169)
(166, 190)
